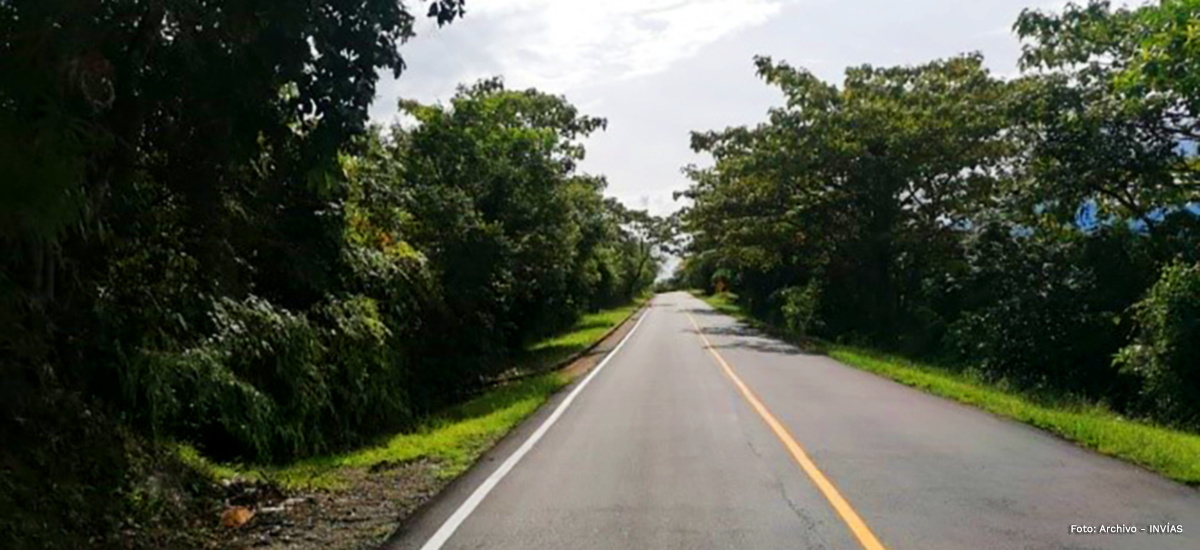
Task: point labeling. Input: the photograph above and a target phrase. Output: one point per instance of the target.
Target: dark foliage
(205, 242)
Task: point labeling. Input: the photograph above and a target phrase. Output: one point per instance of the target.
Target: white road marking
(460, 515)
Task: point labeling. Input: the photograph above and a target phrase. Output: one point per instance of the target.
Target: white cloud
(657, 69)
(568, 44)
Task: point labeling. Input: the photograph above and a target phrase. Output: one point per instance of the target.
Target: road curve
(662, 450)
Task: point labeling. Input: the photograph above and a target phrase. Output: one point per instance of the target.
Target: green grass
(1172, 453)
(192, 458)
(724, 302)
(452, 440)
(587, 331)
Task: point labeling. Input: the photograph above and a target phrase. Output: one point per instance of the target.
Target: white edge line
(464, 510)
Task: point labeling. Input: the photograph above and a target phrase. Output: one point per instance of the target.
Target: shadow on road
(748, 338)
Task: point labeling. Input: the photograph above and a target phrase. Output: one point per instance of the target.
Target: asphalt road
(662, 449)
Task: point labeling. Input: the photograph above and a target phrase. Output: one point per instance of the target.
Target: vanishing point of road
(696, 433)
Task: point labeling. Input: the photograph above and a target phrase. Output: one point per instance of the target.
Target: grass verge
(1172, 453)
(589, 330)
(452, 440)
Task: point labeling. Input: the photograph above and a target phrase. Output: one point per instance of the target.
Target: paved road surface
(662, 450)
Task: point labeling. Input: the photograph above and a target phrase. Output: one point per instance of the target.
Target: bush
(720, 280)
(272, 384)
(799, 307)
(194, 395)
(1165, 353)
(1035, 315)
(367, 379)
(62, 460)
(281, 355)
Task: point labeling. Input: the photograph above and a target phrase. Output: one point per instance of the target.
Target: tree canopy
(1012, 226)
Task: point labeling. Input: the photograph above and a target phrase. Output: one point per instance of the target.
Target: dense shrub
(799, 307)
(63, 465)
(1034, 313)
(193, 395)
(273, 384)
(1165, 353)
(369, 381)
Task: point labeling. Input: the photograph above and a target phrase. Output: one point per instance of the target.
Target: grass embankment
(1172, 453)
(452, 440)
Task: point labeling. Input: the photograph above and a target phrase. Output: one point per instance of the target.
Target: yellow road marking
(857, 526)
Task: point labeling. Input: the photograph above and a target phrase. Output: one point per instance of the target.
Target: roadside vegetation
(357, 497)
(1039, 233)
(1172, 453)
(452, 439)
(207, 245)
(590, 328)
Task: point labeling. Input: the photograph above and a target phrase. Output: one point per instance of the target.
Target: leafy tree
(1109, 118)
(491, 176)
(187, 137)
(1009, 226)
(515, 242)
(646, 240)
(1045, 309)
(863, 186)
(166, 166)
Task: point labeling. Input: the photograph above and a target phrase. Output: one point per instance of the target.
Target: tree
(647, 239)
(169, 170)
(184, 134)
(1005, 226)
(492, 177)
(1110, 117)
(864, 186)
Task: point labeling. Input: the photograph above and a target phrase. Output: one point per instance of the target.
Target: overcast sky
(657, 69)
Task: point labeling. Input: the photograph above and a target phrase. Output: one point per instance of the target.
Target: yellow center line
(856, 524)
